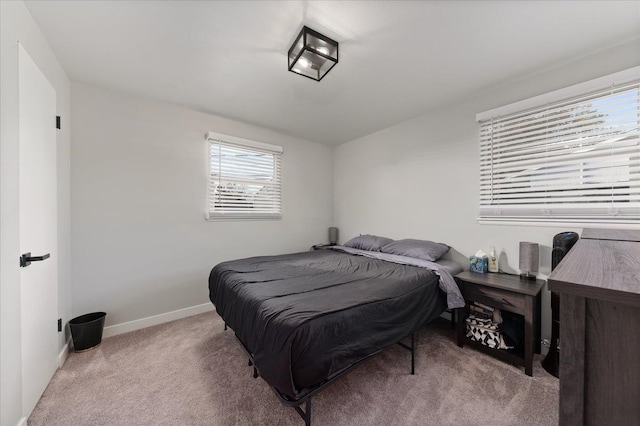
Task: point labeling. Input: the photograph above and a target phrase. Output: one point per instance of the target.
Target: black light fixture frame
(305, 47)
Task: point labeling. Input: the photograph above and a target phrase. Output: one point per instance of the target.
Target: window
(244, 179)
(569, 156)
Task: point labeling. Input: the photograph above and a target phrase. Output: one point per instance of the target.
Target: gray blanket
(447, 283)
(306, 317)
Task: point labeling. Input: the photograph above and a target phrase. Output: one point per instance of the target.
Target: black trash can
(86, 331)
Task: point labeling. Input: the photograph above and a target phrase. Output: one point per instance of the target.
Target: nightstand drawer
(496, 298)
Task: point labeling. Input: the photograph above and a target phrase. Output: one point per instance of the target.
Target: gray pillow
(367, 242)
(418, 249)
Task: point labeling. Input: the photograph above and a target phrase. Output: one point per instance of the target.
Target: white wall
(419, 179)
(17, 25)
(140, 244)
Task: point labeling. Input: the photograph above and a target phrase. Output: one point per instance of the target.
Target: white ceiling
(397, 59)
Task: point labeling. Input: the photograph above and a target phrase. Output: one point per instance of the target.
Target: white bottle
(493, 261)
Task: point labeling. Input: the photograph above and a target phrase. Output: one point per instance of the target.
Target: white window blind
(244, 179)
(571, 160)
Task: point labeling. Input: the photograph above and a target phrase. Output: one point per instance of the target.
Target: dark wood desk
(599, 287)
(509, 293)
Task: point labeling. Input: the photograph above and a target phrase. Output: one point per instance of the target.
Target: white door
(38, 229)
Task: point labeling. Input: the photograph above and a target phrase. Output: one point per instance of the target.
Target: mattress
(306, 317)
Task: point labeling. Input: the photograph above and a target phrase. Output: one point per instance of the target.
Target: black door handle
(26, 259)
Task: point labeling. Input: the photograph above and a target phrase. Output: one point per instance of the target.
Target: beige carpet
(192, 372)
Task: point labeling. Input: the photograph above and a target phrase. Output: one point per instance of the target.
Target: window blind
(575, 160)
(244, 179)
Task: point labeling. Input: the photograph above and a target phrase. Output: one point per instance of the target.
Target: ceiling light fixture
(312, 54)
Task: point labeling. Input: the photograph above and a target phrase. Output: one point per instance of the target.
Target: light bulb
(304, 62)
(323, 50)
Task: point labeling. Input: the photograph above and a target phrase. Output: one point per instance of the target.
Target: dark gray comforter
(305, 317)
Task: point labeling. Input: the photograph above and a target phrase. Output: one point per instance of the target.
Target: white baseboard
(126, 327)
(22, 422)
(64, 353)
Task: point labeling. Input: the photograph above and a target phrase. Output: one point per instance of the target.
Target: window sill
(221, 218)
(562, 222)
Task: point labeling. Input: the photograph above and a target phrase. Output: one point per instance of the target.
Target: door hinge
(59, 325)
(57, 121)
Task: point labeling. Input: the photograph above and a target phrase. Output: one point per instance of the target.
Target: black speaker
(562, 243)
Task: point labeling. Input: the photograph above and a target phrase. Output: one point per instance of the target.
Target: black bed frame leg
(306, 414)
(255, 370)
(225, 326)
(413, 353)
(307, 421)
(412, 348)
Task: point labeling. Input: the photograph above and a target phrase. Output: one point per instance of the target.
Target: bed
(307, 318)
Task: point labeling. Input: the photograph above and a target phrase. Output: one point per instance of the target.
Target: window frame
(518, 213)
(230, 144)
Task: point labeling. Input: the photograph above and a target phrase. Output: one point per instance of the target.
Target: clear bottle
(493, 260)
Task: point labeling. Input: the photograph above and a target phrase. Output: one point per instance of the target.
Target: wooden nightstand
(509, 293)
